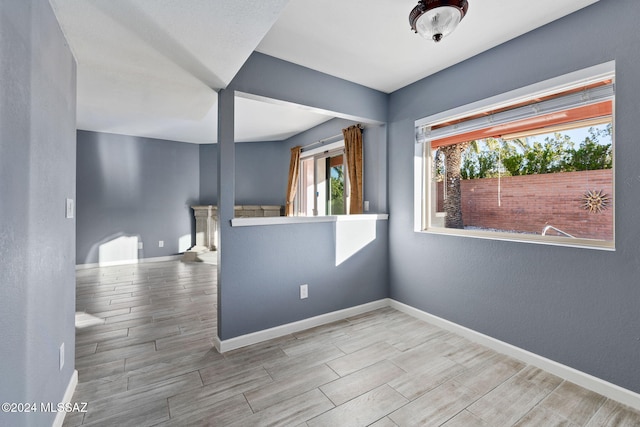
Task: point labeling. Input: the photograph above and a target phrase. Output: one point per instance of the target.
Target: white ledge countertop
(283, 220)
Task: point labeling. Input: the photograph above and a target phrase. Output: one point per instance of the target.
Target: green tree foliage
(483, 159)
(481, 164)
(557, 153)
(547, 157)
(591, 155)
(337, 191)
(514, 164)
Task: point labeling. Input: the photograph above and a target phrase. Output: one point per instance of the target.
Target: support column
(226, 191)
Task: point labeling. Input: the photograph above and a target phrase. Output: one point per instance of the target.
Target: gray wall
(261, 173)
(575, 306)
(262, 170)
(132, 186)
(37, 242)
(208, 174)
(262, 267)
(262, 288)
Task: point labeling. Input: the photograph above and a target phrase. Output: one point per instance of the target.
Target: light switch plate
(69, 209)
(61, 359)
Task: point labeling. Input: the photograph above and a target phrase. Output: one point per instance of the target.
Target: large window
(537, 167)
(324, 185)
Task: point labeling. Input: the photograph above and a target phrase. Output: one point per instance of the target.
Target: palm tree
(453, 156)
(453, 202)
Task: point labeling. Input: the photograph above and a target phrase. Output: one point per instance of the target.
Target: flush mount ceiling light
(435, 19)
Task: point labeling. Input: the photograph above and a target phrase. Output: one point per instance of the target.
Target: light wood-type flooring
(145, 357)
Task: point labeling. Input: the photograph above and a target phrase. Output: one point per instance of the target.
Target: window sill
(530, 238)
(284, 220)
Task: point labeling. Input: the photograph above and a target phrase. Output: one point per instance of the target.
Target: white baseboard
(68, 394)
(580, 378)
(129, 262)
(301, 325)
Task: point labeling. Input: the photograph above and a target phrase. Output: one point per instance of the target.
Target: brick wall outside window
(528, 203)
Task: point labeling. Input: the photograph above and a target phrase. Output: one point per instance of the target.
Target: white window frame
(423, 164)
(318, 153)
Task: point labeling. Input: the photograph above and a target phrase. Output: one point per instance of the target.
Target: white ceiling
(152, 67)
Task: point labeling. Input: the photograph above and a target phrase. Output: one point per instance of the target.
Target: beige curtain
(294, 172)
(353, 152)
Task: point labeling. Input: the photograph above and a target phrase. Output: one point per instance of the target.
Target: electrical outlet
(161, 243)
(139, 245)
(304, 291)
(366, 206)
(61, 356)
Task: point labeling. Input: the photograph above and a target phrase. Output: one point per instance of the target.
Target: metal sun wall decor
(595, 201)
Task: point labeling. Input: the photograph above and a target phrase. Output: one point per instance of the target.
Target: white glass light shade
(437, 23)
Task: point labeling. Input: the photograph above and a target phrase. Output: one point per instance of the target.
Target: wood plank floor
(145, 357)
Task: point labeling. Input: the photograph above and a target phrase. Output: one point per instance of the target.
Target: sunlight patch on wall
(352, 237)
(184, 243)
(122, 250)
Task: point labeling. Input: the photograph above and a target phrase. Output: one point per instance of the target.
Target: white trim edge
(68, 394)
(575, 78)
(283, 220)
(256, 337)
(580, 378)
(129, 262)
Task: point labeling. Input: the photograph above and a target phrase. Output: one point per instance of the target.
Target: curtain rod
(323, 140)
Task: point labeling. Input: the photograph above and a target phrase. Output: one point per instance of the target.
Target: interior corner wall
(375, 168)
(135, 187)
(578, 307)
(37, 241)
(268, 263)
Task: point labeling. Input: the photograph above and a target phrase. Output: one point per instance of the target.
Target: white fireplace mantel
(207, 221)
